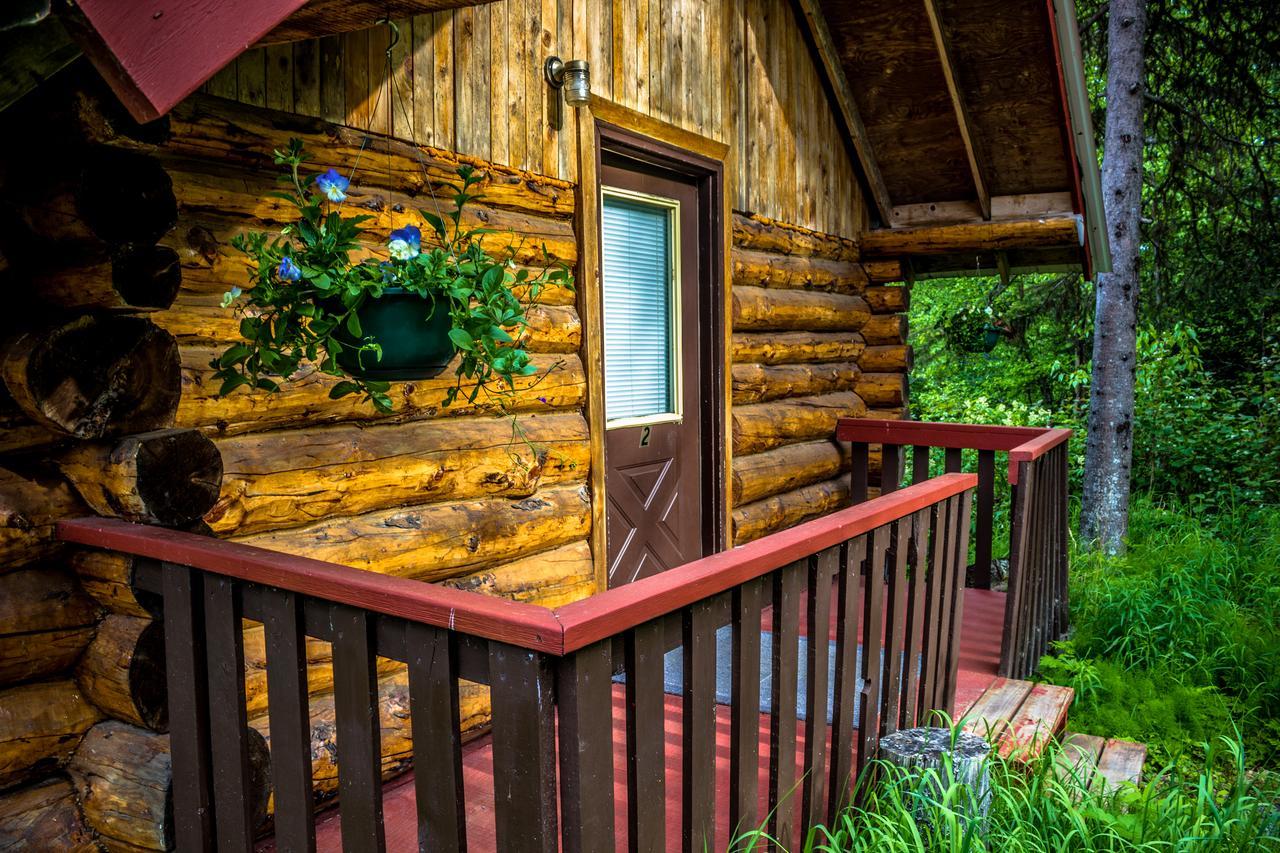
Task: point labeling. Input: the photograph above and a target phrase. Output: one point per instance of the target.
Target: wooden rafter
(828, 62)
(947, 60)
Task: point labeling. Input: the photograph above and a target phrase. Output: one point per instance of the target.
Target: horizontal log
(31, 502)
(213, 129)
(124, 776)
(18, 432)
(221, 191)
(94, 376)
(439, 541)
(890, 358)
(766, 269)
(882, 389)
(796, 347)
(763, 426)
(1037, 233)
(882, 329)
(129, 278)
(559, 384)
(888, 299)
(786, 468)
(289, 478)
(122, 671)
(109, 578)
(752, 231)
(108, 197)
(758, 383)
(758, 308)
(44, 816)
(887, 414)
(886, 270)
(167, 477)
(200, 318)
(755, 520)
(46, 621)
(41, 725)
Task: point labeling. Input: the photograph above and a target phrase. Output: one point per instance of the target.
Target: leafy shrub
(1037, 809)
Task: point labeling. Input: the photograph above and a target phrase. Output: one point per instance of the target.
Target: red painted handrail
(1023, 444)
(557, 632)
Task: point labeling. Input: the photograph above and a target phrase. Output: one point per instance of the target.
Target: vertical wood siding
(470, 80)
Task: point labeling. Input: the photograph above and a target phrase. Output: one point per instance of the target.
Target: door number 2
(644, 436)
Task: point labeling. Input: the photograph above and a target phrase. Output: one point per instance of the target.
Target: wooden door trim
(627, 132)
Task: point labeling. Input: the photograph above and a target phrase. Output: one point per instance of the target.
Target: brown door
(653, 382)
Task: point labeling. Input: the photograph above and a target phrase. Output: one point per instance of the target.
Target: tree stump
(933, 759)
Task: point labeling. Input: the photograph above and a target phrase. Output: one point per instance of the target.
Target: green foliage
(305, 292)
(1046, 807)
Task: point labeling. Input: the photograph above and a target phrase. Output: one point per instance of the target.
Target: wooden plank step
(1078, 757)
(1040, 717)
(1121, 762)
(991, 714)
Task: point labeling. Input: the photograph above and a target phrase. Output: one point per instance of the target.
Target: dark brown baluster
(290, 720)
(852, 556)
(918, 592)
(931, 544)
(585, 698)
(953, 460)
(957, 615)
(920, 463)
(859, 476)
(1019, 523)
(355, 702)
(895, 628)
(646, 739)
(1064, 598)
(986, 515)
(822, 570)
(949, 515)
(524, 750)
(744, 720)
(787, 583)
(184, 650)
(890, 468)
(228, 726)
(698, 729)
(437, 738)
(1035, 573)
(872, 644)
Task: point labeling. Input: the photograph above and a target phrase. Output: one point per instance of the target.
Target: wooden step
(1090, 758)
(1019, 717)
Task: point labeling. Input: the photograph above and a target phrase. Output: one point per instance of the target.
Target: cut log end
(96, 375)
(126, 197)
(146, 277)
(122, 671)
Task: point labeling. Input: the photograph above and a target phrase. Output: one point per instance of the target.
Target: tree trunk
(1104, 516)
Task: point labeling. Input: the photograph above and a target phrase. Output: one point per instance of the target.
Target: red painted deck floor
(979, 656)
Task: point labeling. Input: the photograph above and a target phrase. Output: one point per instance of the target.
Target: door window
(640, 248)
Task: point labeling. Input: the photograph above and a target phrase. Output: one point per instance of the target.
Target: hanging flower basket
(403, 313)
(972, 330)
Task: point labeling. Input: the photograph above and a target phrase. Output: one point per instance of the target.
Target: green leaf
(461, 339)
(353, 325)
(342, 389)
(235, 354)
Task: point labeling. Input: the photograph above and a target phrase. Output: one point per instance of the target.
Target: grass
(1034, 808)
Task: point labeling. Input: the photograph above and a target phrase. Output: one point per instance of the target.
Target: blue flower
(333, 185)
(405, 243)
(288, 270)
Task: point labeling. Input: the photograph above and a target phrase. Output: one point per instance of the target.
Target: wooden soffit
(154, 53)
(959, 107)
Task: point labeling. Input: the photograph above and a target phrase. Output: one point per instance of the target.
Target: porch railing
(890, 569)
(1036, 606)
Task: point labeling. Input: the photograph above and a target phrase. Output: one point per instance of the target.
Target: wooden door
(651, 273)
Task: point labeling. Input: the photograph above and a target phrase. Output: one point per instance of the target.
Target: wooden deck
(1109, 761)
(979, 659)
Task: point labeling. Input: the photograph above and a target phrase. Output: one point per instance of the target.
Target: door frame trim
(619, 130)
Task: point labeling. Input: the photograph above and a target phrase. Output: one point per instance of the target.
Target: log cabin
(799, 164)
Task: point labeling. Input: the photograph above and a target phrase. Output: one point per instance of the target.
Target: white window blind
(640, 344)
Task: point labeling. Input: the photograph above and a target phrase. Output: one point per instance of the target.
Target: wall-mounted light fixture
(573, 76)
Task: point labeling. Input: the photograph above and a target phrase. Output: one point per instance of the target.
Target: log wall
(470, 80)
(450, 496)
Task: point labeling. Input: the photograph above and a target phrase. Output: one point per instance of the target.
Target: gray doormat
(673, 674)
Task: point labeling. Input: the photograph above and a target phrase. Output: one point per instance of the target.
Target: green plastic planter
(414, 334)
